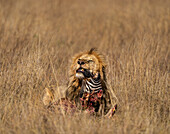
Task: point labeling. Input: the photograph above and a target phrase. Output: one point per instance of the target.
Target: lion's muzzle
(83, 73)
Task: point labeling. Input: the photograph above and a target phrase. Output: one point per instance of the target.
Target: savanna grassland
(38, 39)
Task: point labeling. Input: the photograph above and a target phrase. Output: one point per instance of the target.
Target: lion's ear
(48, 97)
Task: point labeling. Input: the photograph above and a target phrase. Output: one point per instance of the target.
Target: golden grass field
(38, 39)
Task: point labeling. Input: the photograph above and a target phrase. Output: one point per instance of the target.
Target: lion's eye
(90, 61)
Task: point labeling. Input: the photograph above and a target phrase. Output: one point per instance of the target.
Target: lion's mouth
(83, 73)
(80, 70)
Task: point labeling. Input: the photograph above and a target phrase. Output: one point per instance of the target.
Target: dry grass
(37, 39)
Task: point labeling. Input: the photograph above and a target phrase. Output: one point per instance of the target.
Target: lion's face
(87, 65)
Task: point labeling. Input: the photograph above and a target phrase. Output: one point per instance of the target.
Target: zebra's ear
(48, 97)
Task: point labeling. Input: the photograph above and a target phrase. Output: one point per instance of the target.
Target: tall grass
(37, 39)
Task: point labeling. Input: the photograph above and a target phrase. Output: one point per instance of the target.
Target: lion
(87, 89)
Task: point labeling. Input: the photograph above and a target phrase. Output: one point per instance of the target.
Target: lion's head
(88, 64)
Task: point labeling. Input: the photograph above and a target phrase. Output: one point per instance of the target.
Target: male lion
(87, 88)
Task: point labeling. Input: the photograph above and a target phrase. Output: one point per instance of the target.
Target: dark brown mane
(91, 50)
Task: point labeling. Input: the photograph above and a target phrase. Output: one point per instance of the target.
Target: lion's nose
(81, 62)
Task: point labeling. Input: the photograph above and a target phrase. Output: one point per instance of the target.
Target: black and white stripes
(92, 85)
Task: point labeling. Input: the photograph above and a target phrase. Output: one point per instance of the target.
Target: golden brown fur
(96, 66)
